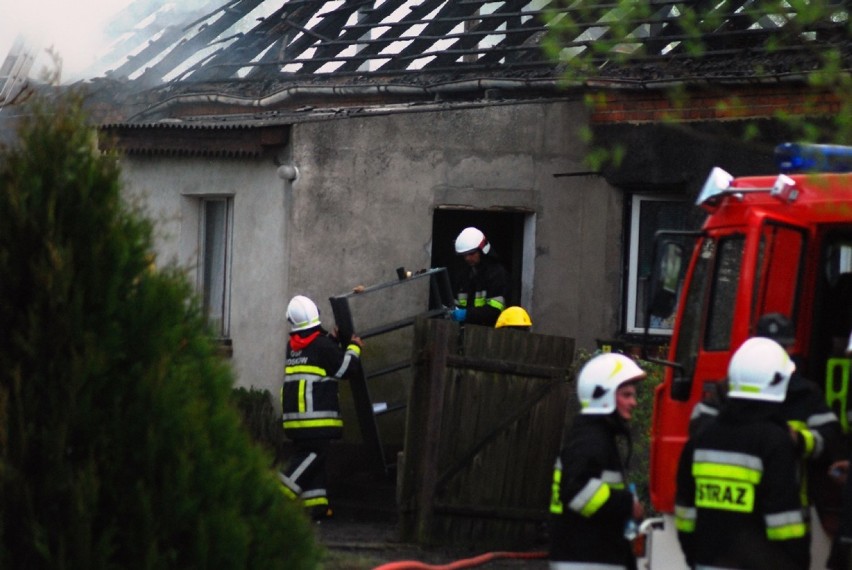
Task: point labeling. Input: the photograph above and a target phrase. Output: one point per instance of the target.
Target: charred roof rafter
(281, 41)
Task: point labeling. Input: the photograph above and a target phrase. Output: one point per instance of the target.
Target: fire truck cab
(770, 244)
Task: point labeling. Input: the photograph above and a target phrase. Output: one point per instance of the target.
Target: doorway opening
(510, 233)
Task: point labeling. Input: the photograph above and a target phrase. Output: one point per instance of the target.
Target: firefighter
(737, 503)
(840, 557)
(315, 363)
(514, 318)
(814, 428)
(591, 506)
(481, 291)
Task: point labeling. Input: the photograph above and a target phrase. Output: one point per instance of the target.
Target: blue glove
(459, 315)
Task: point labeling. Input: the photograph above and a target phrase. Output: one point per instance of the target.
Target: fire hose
(645, 529)
(458, 564)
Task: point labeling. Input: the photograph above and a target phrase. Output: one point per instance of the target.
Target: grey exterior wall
(166, 189)
(363, 204)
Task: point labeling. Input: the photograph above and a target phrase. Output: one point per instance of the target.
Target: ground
(364, 532)
(365, 540)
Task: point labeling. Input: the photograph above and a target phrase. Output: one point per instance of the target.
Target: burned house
(310, 147)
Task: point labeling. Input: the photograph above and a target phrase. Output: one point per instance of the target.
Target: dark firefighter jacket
(590, 504)
(482, 291)
(841, 547)
(737, 503)
(309, 397)
(819, 436)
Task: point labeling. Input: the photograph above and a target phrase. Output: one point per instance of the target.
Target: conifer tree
(119, 447)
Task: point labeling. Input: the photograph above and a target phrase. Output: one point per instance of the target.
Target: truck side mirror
(665, 279)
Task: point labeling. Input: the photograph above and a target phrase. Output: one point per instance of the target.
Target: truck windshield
(723, 296)
(686, 350)
(711, 294)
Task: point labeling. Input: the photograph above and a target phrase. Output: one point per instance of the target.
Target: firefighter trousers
(304, 479)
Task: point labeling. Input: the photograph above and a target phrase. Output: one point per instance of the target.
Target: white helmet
(302, 313)
(600, 378)
(471, 239)
(760, 370)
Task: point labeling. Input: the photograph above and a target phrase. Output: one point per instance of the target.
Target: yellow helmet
(513, 317)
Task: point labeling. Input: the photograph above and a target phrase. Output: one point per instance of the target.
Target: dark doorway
(504, 230)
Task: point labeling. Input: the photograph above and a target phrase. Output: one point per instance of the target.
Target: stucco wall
(168, 188)
(367, 189)
(362, 205)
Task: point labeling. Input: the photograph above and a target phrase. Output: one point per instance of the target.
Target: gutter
(295, 91)
(462, 86)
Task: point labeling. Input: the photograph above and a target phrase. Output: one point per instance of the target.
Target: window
(780, 259)
(214, 275)
(723, 293)
(690, 330)
(649, 213)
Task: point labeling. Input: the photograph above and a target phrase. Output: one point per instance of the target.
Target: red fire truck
(769, 244)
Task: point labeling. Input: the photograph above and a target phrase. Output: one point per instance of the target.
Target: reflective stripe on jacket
(590, 505)
(483, 290)
(737, 503)
(309, 394)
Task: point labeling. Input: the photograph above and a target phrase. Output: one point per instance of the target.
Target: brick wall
(646, 105)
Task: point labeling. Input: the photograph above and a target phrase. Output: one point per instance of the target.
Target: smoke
(74, 30)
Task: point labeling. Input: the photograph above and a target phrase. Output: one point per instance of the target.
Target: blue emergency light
(806, 157)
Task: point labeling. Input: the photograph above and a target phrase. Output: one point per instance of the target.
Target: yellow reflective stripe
(732, 472)
(787, 532)
(809, 446)
(555, 499)
(354, 348)
(288, 492)
(303, 406)
(313, 423)
(600, 497)
(590, 498)
(496, 304)
(786, 525)
(807, 435)
(685, 518)
(837, 372)
(315, 502)
(684, 525)
(479, 302)
(305, 369)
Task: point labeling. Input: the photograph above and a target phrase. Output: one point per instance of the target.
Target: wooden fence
(485, 419)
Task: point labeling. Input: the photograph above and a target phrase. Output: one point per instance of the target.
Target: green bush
(261, 420)
(119, 445)
(640, 427)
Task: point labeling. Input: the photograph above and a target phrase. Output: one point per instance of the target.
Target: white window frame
(633, 288)
(214, 263)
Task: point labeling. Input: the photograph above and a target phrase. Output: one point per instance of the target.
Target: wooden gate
(485, 420)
